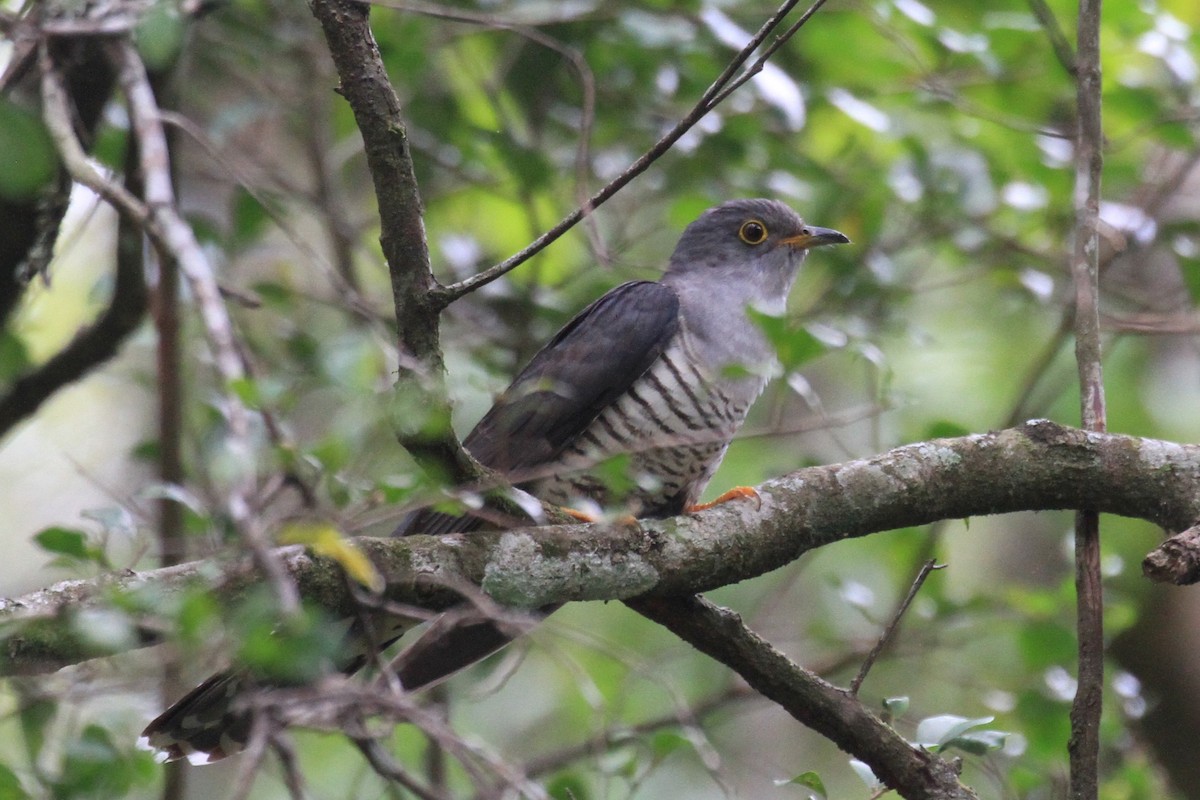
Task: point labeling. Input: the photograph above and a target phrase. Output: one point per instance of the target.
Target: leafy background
(935, 134)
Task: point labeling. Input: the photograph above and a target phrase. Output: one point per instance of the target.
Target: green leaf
(978, 743)
(249, 218)
(809, 780)
(14, 357)
(196, 616)
(10, 785)
(159, 35)
(246, 390)
(29, 159)
(300, 649)
(93, 767)
(794, 346)
(568, 786)
(64, 542)
(35, 716)
(936, 732)
(664, 743)
(274, 294)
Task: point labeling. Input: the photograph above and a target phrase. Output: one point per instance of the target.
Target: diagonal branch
(92, 346)
(833, 712)
(722, 87)
(173, 239)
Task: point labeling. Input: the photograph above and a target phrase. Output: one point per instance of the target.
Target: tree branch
(422, 420)
(92, 346)
(174, 240)
(1084, 744)
(1038, 466)
(721, 87)
(833, 712)
(1177, 560)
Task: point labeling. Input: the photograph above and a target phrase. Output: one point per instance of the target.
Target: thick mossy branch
(1038, 466)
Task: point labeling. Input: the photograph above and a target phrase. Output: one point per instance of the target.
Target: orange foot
(736, 493)
(583, 516)
(579, 515)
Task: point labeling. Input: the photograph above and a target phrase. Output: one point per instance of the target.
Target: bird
(661, 372)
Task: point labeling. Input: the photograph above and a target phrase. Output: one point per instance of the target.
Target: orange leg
(583, 516)
(736, 493)
(579, 515)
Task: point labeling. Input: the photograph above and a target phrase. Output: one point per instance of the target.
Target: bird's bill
(815, 237)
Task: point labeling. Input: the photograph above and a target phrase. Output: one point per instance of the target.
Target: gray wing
(589, 364)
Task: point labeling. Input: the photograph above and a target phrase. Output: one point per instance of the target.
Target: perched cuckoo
(662, 371)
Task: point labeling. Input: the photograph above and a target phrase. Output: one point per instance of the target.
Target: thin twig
(1084, 744)
(91, 347)
(716, 92)
(338, 705)
(606, 739)
(1041, 366)
(1058, 39)
(251, 759)
(587, 81)
(179, 243)
(830, 711)
(387, 768)
(928, 567)
(286, 753)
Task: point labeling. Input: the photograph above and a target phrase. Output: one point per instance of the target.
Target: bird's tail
(203, 726)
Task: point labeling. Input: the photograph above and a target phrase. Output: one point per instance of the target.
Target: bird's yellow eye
(753, 232)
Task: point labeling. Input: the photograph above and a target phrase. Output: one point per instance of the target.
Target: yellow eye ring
(753, 232)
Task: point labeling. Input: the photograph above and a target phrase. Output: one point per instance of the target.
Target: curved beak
(812, 236)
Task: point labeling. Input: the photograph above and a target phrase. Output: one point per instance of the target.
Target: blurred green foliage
(937, 135)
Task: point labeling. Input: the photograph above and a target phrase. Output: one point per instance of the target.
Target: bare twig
(421, 388)
(387, 768)
(928, 567)
(179, 244)
(1154, 324)
(1084, 745)
(89, 349)
(173, 239)
(292, 777)
(339, 705)
(606, 739)
(587, 81)
(725, 83)
(252, 758)
(834, 713)
(1058, 39)
(346, 293)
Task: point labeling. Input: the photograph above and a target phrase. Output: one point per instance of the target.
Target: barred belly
(675, 423)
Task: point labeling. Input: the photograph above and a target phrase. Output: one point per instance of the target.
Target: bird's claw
(736, 493)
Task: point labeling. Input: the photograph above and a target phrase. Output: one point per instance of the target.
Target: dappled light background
(935, 134)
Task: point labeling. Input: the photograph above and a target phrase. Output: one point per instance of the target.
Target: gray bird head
(755, 244)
